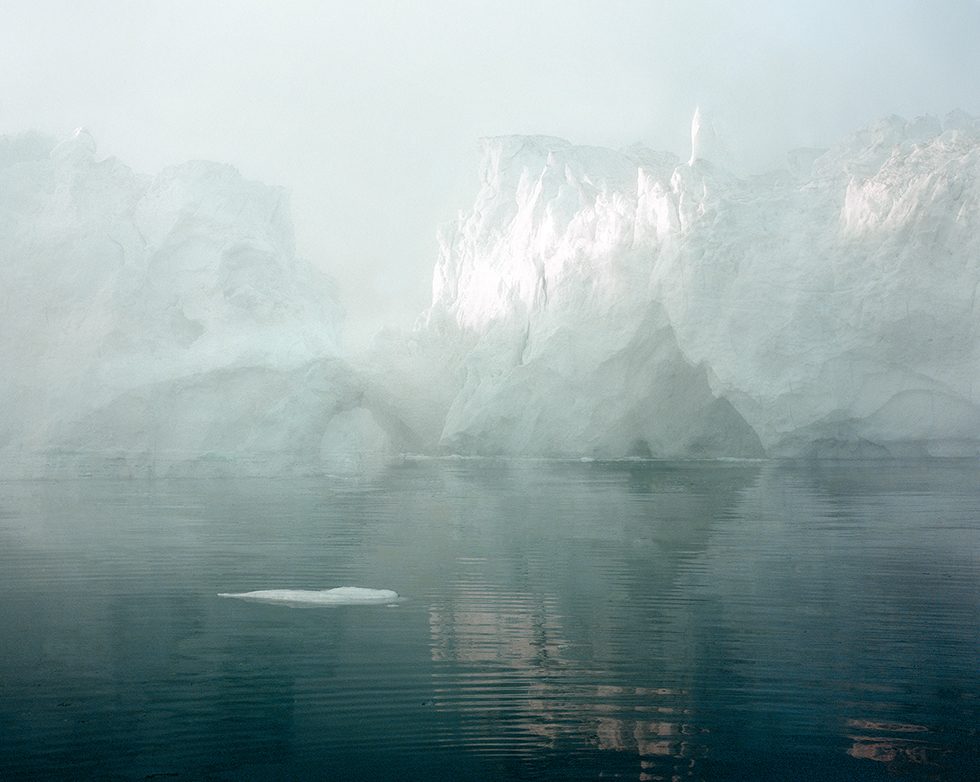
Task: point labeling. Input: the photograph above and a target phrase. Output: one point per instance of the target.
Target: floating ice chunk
(340, 596)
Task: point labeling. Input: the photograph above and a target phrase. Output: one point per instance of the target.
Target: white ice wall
(156, 320)
(592, 303)
(614, 302)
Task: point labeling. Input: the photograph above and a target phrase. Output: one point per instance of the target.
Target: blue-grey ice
(339, 596)
(592, 303)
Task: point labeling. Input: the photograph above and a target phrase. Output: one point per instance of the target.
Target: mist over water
(664, 466)
(369, 113)
(644, 621)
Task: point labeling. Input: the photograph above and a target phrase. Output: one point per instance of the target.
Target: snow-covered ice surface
(607, 303)
(339, 596)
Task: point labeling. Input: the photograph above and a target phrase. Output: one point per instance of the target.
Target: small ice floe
(340, 596)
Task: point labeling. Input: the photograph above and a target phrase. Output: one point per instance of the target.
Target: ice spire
(705, 144)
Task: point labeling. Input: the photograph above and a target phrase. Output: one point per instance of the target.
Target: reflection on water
(888, 742)
(648, 621)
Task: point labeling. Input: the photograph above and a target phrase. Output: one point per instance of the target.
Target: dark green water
(740, 621)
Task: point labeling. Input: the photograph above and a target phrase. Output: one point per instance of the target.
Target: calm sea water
(654, 621)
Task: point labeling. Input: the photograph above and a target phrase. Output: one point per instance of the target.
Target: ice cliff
(160, 322)
(592, 303)
(611, 303)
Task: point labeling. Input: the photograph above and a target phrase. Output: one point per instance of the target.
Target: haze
(369, 112)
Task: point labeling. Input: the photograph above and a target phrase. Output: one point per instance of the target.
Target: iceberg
(163, 325)
(339, 596)
(592, 304)
(606, 303)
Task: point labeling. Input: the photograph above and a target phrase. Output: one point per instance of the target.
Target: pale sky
(369, 111)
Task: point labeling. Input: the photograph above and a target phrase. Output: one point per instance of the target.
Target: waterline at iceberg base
(593, 303)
